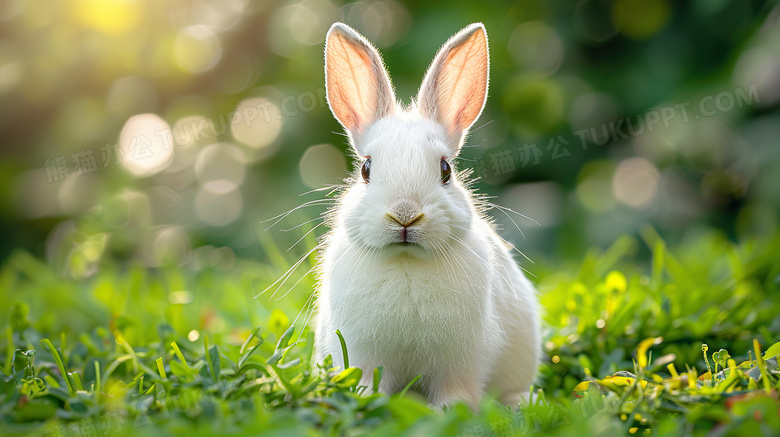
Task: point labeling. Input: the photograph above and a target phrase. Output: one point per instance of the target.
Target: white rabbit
(412, 273)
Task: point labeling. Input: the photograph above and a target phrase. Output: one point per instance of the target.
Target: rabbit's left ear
(358, 87)
(454, 90)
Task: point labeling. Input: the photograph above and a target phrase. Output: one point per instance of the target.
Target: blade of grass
(343, 349)
(120, 340)
(161, 368)
(96, 388)
(408, 386)
(762, 366)
(179, 354)
(74, 376)
(254, 334)
(308, 351)
(207, 356)
(58, 360)
(214, 368)
(378, 372)
(62, 348)
(9, 352)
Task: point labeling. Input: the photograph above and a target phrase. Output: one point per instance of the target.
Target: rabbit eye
(366, 170)
(446, 172)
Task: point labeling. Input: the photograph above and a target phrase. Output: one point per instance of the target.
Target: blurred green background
(162, 133)
(194, 120)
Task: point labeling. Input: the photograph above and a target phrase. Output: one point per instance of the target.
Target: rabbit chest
(413, 312)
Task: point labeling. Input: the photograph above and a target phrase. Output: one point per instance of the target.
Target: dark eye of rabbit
(446, 172)
(366, 170)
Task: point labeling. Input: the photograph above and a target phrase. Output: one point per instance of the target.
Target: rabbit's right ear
(358, 87)
(454, 90)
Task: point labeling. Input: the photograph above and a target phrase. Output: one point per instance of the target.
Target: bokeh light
(635, 182)
(217, 205)
(301, 23)
(77, 194)
(145, 145)
(322, 165)
(167, 245)
(383, 22)
(109, 16)
(594, 186)
(760, 67)
(220, 168)
(536, 46)
(219, 15)
(592, 109)
(535, 104)
(11, 69)
(236, 71)
(257, 122)
(197, 49)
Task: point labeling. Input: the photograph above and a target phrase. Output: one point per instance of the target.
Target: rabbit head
(405, 195)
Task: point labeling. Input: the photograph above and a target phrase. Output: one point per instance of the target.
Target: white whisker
(304, 235)
(287, 274)
(302, 224)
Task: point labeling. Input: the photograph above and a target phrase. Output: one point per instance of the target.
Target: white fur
(454, 308)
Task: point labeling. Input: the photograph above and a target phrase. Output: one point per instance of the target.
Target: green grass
(683, 342)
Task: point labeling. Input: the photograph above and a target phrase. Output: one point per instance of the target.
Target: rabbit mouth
(405, 244)
(407, 236)
(401, 249)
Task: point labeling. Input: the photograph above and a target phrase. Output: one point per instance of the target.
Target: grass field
(640, 338)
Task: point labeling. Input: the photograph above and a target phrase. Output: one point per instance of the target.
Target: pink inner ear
(454, 90)
(351, 83)
(462, 83)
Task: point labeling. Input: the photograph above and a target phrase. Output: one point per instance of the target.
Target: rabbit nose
(406, 222)
(405, 213)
